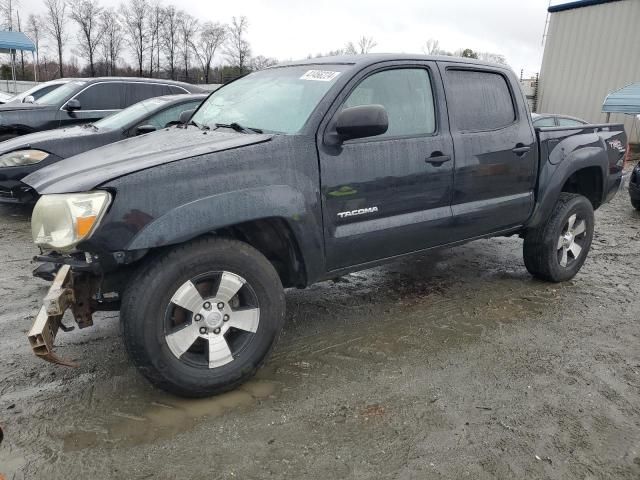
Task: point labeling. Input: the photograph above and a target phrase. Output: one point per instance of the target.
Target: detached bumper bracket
(49, 319)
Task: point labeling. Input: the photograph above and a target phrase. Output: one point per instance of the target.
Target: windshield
(275, 100)
(59, 95)
(132, 114)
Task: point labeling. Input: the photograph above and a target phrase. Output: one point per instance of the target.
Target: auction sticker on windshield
(320, 75)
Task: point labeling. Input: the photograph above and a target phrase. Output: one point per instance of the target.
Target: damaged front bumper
(70, 290)
(49, 319)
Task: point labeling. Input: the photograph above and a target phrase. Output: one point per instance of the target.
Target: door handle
(437, 159)
(521, 149)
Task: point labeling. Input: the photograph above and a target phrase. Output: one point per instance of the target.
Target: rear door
(390, 194)
(138, 91)
(97, 101)
(496, 150)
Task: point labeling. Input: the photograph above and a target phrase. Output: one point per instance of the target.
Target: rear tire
(556, 250)
(635, 203)
(193, 351)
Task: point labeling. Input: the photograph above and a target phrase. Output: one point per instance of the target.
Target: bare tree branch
(171, 38)
(134, 19)
(261, 62)
(212, 35)
(188, 27)
(86, 14)
(112, 40)
(238, 49)
(55, 26)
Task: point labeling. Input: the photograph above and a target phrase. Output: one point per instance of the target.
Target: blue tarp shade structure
(11, 42)
(625, 100)
(16, 41)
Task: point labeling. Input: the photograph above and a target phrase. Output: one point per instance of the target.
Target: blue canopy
(625, 100)
(16, 41)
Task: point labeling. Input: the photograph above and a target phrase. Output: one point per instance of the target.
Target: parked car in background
(301, 173)
(23, 155)
(634, 187)
(5, 97)
(82, 101)
(37, 91)
(553, 120)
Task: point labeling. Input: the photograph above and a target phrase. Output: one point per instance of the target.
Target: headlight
(62, 221)
(22, 157)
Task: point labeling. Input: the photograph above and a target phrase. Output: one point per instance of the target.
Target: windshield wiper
(238, 128)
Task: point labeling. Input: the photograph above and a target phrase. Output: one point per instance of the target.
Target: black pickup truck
(296, 174)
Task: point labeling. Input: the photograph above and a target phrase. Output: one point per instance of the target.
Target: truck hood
(61, 143)
(95, 167)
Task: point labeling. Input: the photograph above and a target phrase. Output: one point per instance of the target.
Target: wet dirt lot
(450, 365)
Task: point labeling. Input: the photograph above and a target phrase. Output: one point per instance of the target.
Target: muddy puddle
(152, 420)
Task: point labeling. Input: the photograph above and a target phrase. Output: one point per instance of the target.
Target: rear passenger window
(407, 96)
(479, 100)
(102, 96)
(569, 122)
(141, 91)
(545, 122)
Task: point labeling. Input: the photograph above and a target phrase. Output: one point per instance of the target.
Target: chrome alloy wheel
(571, 240)
(211, 319)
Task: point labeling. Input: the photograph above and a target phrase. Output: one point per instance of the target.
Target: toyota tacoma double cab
(296, 174)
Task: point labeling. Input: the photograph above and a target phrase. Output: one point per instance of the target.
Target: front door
(97, 101)
(390, 194)
(496, 150)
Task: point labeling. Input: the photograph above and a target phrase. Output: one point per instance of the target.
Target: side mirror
(73, 105)
(185, 116)
(362, 121)
(28, 99)
(144, 129)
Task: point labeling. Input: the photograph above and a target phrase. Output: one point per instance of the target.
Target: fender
(560, 165)
(216, 212)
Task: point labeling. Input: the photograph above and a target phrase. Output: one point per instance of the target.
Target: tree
(156, 19)
(188, 27)
(238, 50)
(492, 57)
(432, 47)
(171, 38)
(364, 46)
(86, 14)
(212, 35)
(134, 20)
(34, 31)
(21, 51)
(260, 63)
(112, 39)
(7, 9)
(468, 53)
(54, 25)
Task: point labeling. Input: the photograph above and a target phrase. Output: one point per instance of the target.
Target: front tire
(635, 202)
(203, 317)
(556, 251)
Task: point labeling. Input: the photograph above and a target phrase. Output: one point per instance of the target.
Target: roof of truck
(371, 58)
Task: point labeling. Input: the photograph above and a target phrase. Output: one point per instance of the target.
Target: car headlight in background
(61, 221)
(20, 158)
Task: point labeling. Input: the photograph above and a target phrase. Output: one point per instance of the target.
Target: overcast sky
(291, 29)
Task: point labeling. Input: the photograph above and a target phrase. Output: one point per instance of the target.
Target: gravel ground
(450, 365)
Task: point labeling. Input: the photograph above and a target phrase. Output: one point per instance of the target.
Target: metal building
(592, 48)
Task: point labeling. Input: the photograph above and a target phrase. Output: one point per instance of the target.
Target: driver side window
(407, 96)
